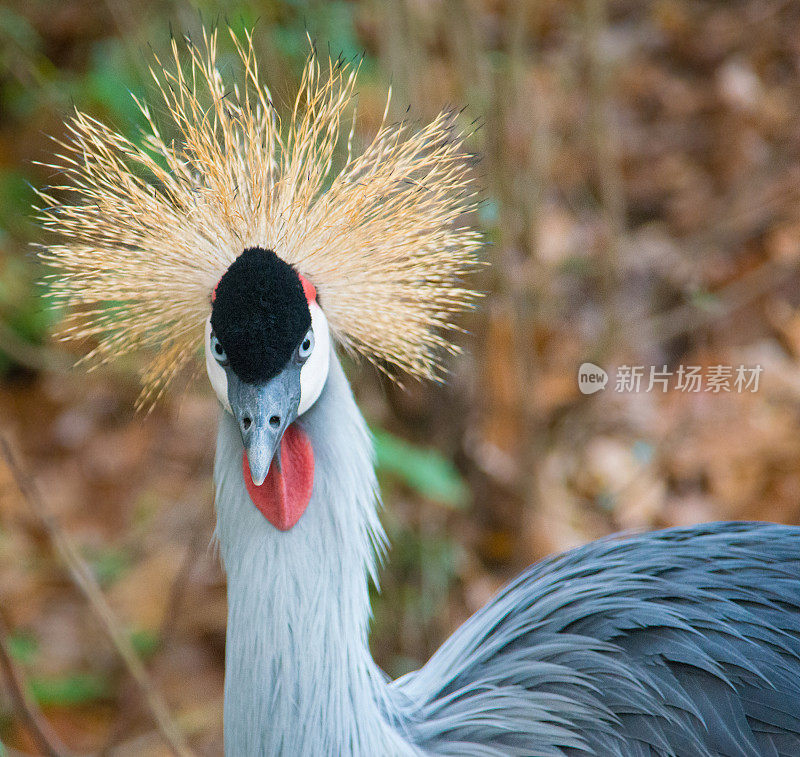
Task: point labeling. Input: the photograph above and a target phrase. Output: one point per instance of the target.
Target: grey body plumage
(681, 642)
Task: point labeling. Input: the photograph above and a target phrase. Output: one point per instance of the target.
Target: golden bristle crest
(153, 226)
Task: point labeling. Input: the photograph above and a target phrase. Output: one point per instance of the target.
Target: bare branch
(26, 708)
(86, 583)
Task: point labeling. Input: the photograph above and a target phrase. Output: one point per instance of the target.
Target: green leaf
(108, 564)
(69, 690)
(16, 28)
(704, 300)
(336, 22)
(110, 82)
(423, 470)
(16, 200)
(145, 641)
(23, 647)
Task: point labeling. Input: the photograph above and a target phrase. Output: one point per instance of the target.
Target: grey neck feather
(299, 678)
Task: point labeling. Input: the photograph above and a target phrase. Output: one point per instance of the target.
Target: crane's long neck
(299, 677)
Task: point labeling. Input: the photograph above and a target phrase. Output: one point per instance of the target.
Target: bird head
(267, 354)
(267, 350)
(235, 230)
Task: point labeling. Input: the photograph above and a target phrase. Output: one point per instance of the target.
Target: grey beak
(263, 412)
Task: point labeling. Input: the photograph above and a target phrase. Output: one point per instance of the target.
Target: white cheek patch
(216, 373)
(315, 371)
(313, 374)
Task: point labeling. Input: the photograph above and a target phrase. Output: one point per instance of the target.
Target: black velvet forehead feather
(259, 314)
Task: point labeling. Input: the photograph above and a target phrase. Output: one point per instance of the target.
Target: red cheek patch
(284, 496)
(309, 289)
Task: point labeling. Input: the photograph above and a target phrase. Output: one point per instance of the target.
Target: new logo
(591, 378)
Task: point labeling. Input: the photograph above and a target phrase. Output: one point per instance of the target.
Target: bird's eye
(217, 351)
(306, 346)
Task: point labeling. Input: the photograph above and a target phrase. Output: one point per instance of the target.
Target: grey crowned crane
(239, 236)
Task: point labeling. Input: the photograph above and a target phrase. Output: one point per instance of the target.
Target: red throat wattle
(284, 495)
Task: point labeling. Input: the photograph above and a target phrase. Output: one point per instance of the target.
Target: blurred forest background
(641, 184)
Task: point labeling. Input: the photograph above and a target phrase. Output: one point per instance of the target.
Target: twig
(178, 588)
(607, 170)
(26, 708)
(88, 586)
